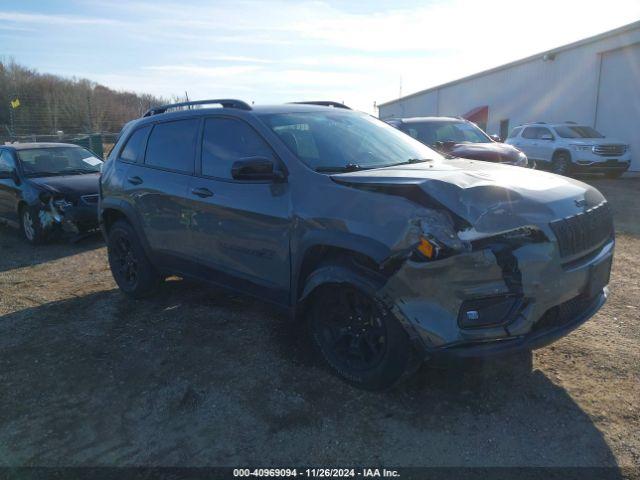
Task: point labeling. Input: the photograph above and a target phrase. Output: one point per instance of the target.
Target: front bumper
(428, 299)
(551, 331)
(80, 218)
(591, 163)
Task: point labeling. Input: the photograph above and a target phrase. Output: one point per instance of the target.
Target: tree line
(33, 103)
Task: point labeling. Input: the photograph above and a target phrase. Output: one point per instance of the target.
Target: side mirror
(496, 138)
(255, 168)
(13, 174)
(546, 136)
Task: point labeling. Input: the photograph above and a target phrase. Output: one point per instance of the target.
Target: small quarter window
(134, 148)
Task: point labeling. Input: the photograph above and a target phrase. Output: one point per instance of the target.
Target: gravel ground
(197, 377)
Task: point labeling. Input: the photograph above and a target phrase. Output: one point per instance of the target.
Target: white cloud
(188, 70)
(276, 50)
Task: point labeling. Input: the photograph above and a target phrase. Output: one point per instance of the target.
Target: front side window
(133, 151)
(335, 141)
(226, 140)
(49, 161)
(544, 132)
(171, 145)
(7, 164)
(578, 131)
(459, 132)
(530, 132)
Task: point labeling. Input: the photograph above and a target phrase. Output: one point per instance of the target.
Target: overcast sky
(275, 51)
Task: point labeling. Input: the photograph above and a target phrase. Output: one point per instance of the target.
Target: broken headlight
(62, 204)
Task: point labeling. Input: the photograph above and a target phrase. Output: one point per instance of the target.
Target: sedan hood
(491, 198)
(487, 152)
(70, 186)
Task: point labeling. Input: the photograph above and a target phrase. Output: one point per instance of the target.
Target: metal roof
(554, 51)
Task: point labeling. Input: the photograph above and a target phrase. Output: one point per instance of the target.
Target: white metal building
(595, 81)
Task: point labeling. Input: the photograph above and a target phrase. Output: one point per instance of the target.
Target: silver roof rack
(225, 102)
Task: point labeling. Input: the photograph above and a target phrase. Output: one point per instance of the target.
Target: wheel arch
(352, 260)
(112, 211)
(561, 150)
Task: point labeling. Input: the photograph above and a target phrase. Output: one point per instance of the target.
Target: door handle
(134, 180)
(202, 192)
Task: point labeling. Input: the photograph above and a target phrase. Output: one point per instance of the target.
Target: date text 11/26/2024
(316, 472)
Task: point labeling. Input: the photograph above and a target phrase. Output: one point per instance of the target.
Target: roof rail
(324, 103)
(225, 102)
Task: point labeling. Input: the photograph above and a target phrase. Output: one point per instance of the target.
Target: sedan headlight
(62, 204)
(522, 160)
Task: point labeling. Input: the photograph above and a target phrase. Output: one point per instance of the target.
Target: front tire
(130, 267)
(31, 226)
(358, 337)
(561, 164)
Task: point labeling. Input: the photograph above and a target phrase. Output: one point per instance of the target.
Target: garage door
(619, 98)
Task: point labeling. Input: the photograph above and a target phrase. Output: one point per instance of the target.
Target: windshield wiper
(408, 162)
(77, 171)
(42, 174)
(349, 167)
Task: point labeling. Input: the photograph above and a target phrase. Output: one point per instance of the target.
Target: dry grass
(199, 377)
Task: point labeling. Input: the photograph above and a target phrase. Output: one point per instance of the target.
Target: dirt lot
(198, 377)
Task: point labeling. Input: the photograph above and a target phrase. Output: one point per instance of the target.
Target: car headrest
(45, 162)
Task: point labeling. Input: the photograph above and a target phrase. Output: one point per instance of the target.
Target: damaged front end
(55, 213)
(487, 269)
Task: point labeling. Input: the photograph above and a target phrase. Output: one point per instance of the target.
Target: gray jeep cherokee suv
(392, 255)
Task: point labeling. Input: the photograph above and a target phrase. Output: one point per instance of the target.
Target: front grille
(90, 199)
(584, 231)
(609, 150)
(564, 313)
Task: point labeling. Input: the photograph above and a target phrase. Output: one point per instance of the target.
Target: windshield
(48, 161)
(338, 141)
(458, 132)
(578, 131)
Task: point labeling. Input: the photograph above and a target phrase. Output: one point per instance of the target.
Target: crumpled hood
(492, 198)
(71, 186)
(487, 152)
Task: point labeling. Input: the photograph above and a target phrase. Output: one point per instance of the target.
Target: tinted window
(134, 149)
(446, 131)
(225, 141)
(7, 164)
(530, 132)
(514, 132)
(544, 131)
(172, 145)
(578, 131)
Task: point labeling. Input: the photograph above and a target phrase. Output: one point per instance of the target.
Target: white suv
(567, 148)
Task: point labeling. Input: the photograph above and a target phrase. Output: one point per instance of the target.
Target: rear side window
(172, 145)
(515, 132)
(134, 148)
(226, 140)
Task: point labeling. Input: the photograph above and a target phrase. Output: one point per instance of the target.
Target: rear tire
(358, 337)
(561, 164)
(130, 267)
